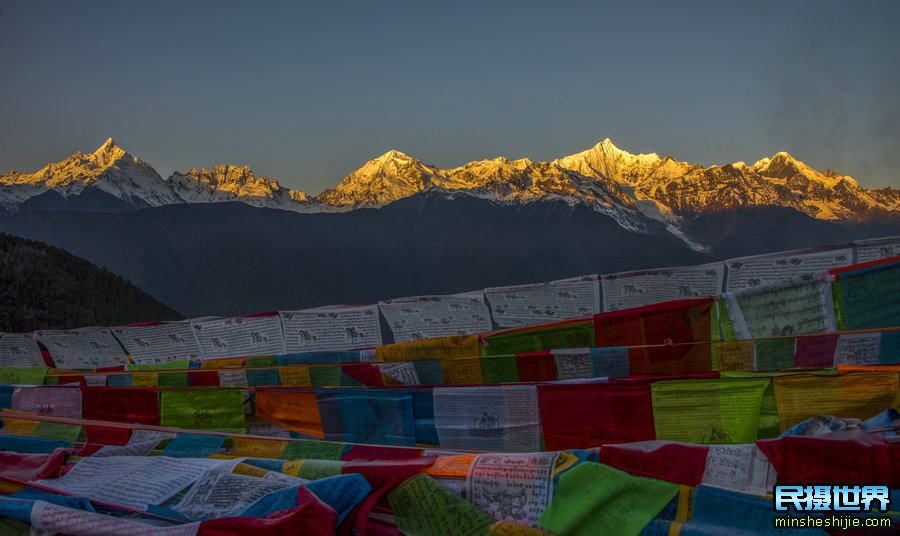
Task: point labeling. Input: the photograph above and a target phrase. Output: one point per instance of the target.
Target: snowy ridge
(680, 188)
(626, 186)
(395, 175)
(632, 188)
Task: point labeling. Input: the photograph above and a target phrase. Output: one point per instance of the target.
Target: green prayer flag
(837, 297)
(774, 373)
(172, 379)
(775, 354)
(724, 320)
(499, 369)
(868, 299)
(422, 507)
(55, 430)
(575, 335)
(769, 421)
(14, 527)
(203, 409)
(592, 498)
(792, 307)
(316, 469)
(325, 376)
(708, 411)
(23, 375)
(261, 362)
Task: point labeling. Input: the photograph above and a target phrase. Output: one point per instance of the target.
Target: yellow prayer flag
(145, 379)
(234, 362)
(734, 355)
(294, 376)
(441, 348)
(857, 395)
(462, 371)
(21, 427)
(257, 448)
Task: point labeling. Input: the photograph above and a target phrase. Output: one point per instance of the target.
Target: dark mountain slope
(90, 200)
(43, 287)
(766, 229)
(231, 258)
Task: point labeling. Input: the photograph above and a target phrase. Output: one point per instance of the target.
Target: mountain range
(209, 241)
(631, 188)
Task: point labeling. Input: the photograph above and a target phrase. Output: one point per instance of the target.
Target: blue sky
(306, 92)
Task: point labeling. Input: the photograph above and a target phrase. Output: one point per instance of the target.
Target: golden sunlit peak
(393, 153)
(107, 145)
(784, 155)
(108, 152)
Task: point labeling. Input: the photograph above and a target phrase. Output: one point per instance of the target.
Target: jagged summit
(108, 153)
(234, 183)
(107, 146)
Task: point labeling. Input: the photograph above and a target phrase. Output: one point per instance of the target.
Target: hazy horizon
(305, 95)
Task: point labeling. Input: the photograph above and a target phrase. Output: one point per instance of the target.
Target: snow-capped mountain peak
(393, 154)
(784, 166)
(389, 177)
(109, 169)
(607, 160)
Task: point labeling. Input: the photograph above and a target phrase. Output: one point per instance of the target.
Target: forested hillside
(43, 287)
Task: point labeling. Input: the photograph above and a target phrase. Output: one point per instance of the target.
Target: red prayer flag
(203, 379)
(675, 462)
(536, 367)
(853, 457)
(672, 324)
(387, 473)
(32, 466)
(577, 416)
(102, 435)
(121, 404)
(816, 351)
(365, 373)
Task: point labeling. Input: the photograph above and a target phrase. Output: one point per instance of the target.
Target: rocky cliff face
(233, 183)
